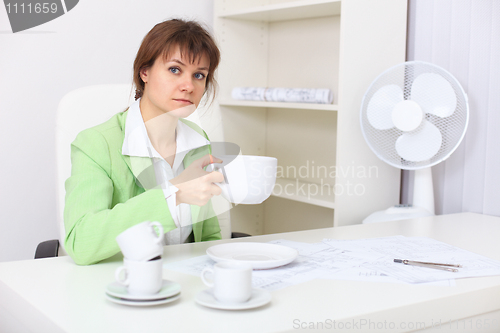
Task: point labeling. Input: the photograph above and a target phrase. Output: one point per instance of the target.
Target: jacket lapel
(141, 167)
(143, 170)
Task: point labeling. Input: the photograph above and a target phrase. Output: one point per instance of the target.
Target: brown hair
(191, 38)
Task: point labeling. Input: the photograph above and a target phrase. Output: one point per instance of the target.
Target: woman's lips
(183, 101)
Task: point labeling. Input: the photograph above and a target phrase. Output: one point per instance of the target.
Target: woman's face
(174, 85)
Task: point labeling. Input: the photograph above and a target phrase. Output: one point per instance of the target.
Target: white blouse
(137, 143)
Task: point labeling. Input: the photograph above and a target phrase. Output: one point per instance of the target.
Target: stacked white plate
(259, 298)
(169, 292)
(259, 255)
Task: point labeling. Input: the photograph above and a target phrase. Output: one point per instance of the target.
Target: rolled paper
(248, 94)
(294, 95)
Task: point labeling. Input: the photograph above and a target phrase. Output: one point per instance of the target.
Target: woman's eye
(174, 70)
(199, 76)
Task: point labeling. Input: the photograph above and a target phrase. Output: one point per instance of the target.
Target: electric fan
(413, 116)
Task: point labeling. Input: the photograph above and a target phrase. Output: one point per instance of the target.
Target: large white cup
(141, 277)
(248, 179)
(232, 281)
(140, 242)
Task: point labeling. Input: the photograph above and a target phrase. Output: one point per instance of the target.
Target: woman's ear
(144, 74)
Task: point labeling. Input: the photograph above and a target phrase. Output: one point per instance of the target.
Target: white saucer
(142, 302)
(259, 297)
(259, 255)
(168, 289)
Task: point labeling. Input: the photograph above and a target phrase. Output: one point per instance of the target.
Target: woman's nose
(187, 84)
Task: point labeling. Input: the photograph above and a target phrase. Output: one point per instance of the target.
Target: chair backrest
(86, 107)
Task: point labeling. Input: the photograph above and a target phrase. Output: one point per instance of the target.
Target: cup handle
(118, 276)
(205, 281)
(226, 190)
(219, 168)
(213, 167)
(160, 229)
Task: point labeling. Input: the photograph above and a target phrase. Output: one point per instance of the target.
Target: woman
(147, 163)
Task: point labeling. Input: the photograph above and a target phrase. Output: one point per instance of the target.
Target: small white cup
(141, 277)
(141, 242)
(248, 179)
(232, 281)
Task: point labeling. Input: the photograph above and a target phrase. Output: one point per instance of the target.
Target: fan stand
(423, 190)
(423, 201)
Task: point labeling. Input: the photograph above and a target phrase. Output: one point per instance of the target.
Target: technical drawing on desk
(362, 260)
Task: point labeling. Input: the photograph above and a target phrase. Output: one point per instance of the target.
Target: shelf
(287, 11)
(293, 189)
(280, 105)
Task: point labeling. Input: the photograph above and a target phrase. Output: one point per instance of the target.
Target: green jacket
(104, 196)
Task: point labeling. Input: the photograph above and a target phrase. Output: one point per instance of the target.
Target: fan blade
(380, 106)
(434, 94)
(421, 144)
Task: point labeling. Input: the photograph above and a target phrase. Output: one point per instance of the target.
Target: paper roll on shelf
(293, 95)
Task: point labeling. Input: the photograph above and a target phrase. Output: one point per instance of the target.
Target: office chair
(83, 108)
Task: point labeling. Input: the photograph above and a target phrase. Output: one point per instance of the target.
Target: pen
(444, 267)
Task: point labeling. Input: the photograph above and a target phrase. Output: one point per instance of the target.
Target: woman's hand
(196, 186)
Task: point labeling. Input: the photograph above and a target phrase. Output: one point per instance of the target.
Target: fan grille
(452, 128)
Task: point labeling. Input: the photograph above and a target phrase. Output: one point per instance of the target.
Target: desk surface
(58, 296)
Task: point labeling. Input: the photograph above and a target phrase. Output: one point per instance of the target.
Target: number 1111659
(29, 8)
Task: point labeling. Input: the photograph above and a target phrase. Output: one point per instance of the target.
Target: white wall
(464, 38)
(95, 43)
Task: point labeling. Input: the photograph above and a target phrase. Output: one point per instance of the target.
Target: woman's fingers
(216, 190)
(207, 159)
(215, 177)
(196, 186)
(216, 159)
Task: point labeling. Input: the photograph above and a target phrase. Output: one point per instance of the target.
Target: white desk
(55, 295)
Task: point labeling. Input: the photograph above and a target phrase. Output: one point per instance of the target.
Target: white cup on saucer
(247, 179)
(141, 277)
(232, 281)
(141, 242)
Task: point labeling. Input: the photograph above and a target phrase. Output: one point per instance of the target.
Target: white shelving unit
(289, 189)
(285, 11)
(280, 105)
(327, 174)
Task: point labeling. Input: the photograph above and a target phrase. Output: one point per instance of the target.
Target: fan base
(398, 212)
